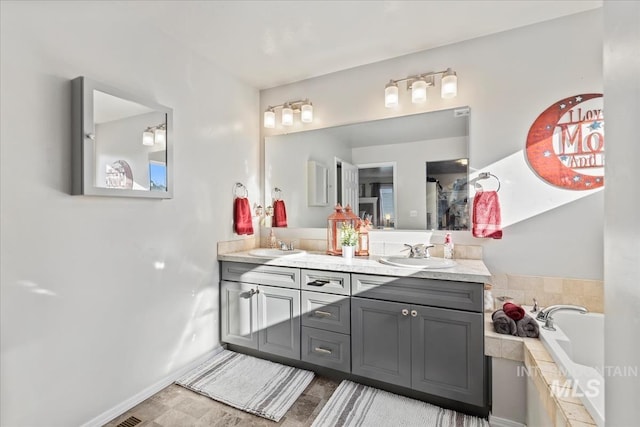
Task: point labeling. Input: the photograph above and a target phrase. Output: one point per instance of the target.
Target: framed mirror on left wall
(122, 143)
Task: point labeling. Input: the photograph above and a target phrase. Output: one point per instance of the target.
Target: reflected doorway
(377, 194)
(448, 195)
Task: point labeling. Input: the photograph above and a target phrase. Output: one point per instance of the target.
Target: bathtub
(577, 347)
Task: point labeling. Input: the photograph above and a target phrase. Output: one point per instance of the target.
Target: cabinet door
(381, 341)
(279, 321)
(239, 314)
(448, 353)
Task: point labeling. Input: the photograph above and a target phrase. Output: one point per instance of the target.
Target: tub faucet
(545, 314)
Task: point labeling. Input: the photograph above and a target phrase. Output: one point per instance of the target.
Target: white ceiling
(271, 43)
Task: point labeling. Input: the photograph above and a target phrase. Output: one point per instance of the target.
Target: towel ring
(276, 193)
(486, 175)
(240, 186)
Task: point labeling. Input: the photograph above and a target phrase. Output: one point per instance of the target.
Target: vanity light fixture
(418, 85)
(155, 135)
(302, 106)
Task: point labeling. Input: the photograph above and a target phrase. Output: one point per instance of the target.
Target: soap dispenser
(448, 246)
(273, 242)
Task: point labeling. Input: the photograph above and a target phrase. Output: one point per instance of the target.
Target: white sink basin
(403, 261)
(275, 253)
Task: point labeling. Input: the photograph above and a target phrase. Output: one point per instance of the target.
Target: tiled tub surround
(560, 407)
(549, 290)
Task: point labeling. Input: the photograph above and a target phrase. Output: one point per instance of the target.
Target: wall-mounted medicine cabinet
(317, 184)
(122, 144)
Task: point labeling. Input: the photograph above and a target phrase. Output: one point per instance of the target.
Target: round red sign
(565, 145)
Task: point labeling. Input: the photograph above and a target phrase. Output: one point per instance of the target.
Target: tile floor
(176, 406)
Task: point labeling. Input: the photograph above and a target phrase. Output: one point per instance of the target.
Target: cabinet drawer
(283, 277)
(324, 348)
(326, 311)
(331, 282)
(437, 293)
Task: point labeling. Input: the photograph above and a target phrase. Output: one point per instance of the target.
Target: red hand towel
(513, 311)
(486, 215)
(279, 214)
(242, 216)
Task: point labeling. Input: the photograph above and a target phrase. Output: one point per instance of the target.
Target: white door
(350, 186)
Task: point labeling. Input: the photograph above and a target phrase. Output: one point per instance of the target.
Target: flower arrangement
(348, 235)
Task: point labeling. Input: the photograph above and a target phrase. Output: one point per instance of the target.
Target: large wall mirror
(406, 172)
(121, 143)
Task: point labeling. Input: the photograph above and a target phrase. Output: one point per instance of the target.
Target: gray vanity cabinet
(264, 318)
(381, 341)
(279, 321)
(427, 335)
(239, 309)
(447, 353)
(259, 316)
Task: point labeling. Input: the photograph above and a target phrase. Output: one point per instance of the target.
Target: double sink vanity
(414, 331)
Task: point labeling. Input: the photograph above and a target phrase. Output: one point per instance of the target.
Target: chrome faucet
(284, 246)
(545, 314)
(419, 251)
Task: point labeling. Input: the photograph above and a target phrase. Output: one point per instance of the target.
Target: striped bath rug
(354, 404)
(250, 384)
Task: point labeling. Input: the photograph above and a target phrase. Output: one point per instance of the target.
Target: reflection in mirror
(121, 143)
(131, 131)
(405, 144)
(447, 195)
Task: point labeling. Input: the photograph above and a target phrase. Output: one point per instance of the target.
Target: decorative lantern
(334, 226)
(363, 238)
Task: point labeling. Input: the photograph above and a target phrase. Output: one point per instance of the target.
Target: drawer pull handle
(318, 282)
(322, 350)
(414, 313)
(322, 313)
(405, 311)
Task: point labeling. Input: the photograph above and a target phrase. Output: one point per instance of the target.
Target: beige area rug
(257, 386)
(354, 404)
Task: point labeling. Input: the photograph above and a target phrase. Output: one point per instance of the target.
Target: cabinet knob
(252, 292)
(414, 313)
(405, 311)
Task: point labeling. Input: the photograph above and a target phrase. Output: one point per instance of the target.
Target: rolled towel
(513, 311)
(503, 324)
(527, 327)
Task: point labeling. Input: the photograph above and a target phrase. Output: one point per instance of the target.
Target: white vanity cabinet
(259, 316)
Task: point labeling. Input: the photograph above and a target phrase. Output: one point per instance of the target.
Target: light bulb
(287, 115)
(160, 136)
(449, 84)
(306, 113)
(147, 137)
(419, 91)
(391, 94)
(269, 119)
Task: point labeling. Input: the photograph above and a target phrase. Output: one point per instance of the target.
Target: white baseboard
(503, 422)
(123, 407)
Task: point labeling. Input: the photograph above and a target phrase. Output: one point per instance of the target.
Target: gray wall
(89, 317)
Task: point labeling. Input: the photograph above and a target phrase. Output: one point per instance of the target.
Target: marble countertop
(466, 270)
